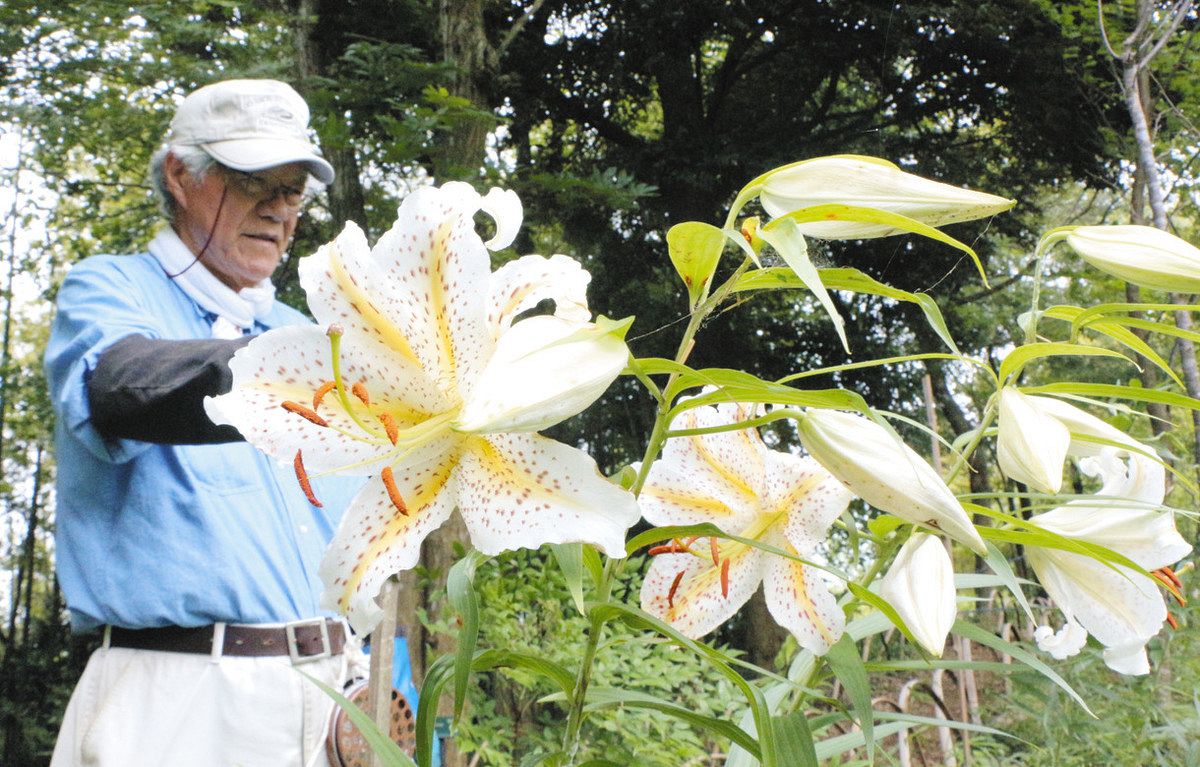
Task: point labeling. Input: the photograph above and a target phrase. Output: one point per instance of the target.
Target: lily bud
(885, 472)
(869, 182)
(1142, 255)
(920, 586)
(544, 370)
(1032, 445)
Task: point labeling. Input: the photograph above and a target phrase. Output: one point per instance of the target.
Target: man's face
(240, 238)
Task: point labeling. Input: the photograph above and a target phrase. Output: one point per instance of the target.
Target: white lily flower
(869, 182)
(440, 393)
(734, 481)
(1036, 434)
(1142, 255)
(1031, 446)
(1121, 608)
(920, 586)
(885, 472)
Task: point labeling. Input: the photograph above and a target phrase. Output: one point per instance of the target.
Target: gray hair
(196, 160)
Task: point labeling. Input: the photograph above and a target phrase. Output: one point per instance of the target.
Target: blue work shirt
(158, 535)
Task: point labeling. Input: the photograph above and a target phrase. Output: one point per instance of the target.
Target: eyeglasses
(263, 189)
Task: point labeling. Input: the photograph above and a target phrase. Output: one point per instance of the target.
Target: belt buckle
(294, 652)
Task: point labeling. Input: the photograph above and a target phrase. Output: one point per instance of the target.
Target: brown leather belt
(302, 640)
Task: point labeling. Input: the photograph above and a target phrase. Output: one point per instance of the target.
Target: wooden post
(383, 645)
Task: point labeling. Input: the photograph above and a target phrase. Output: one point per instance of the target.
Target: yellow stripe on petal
(362, 303)
(386, 525)
(799, 599)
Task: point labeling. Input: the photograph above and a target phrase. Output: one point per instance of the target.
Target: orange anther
(1171, 575)
(389, 484)
(320, 393)
(389, 426)
(300, 410)
(712, 549)
(302, 477)
(674, 588)
(1172, 622)
(725, 579)
(359, 389)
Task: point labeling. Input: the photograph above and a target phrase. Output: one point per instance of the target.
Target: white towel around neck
(235, 310)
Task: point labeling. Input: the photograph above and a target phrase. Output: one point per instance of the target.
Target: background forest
(613, 121)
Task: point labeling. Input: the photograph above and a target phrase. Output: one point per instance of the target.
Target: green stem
(613, 567)
(989, 414)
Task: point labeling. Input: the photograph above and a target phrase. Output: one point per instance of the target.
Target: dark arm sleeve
(153, 390)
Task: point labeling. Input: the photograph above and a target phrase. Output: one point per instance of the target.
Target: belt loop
(218, 642)
(107, 637)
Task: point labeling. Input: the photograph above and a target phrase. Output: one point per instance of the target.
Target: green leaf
(612, 697)
(794, 745)
(1001, 567)
(390, 754)
(593, 563)
(695, 249)
(1018, 358)
(570, 560)
(852, 280)
(883, 606)
(460, 587)
(976, 634)
(846, 663)
(1117, 333)
(834, 212)
(1116, 391)
(638, 618)
(784, 236)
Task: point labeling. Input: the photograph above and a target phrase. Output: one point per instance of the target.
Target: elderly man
(195, 554)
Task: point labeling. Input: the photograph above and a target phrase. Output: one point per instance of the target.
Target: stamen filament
(335, 347)
(302, 477)
(674, 588)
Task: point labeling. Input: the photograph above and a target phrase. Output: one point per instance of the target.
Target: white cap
(249, 125)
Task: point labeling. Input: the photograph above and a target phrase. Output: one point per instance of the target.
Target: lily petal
(520, 285)
(524, 490)
(1142, 255)
(1061, 644)
(342, 284)
(1117, 607)
(1081, 422)
(1031, 446)
(809, 497)
(885, 472)
(290, 364)
(873, 183)
(799, 599)
(713, 477)
(1130, 659)
(504, 206)
(685, 590)
(1126, 518)
(920, 586)
(375, 539)
(544, 370)
(433, 270)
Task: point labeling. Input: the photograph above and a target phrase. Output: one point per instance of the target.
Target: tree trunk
(346, 199)
(1131, 81)
(465, 46)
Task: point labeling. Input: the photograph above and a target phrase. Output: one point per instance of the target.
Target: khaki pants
(142, 708)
